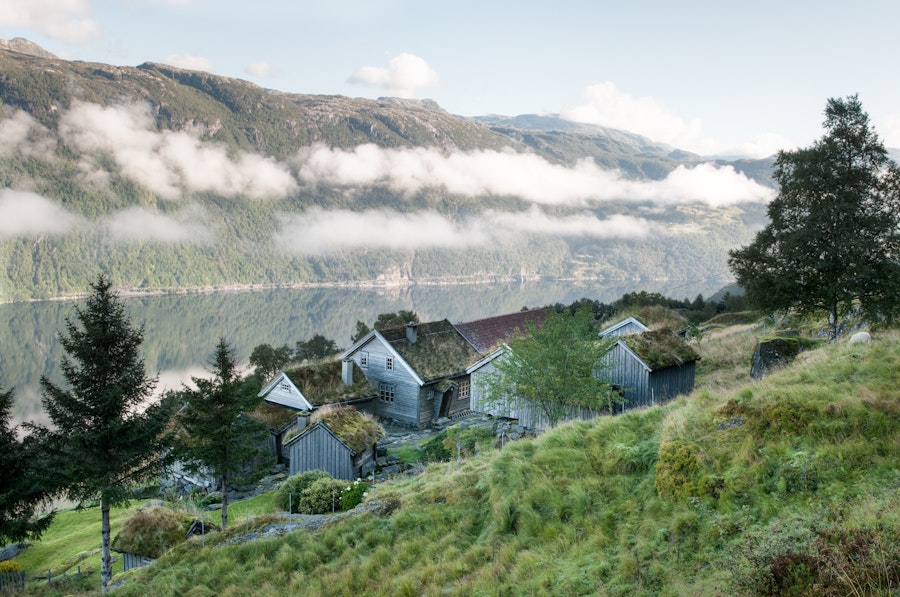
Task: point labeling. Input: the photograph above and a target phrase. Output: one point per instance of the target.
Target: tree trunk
(105, 557)
(224, 502)
(832, 324)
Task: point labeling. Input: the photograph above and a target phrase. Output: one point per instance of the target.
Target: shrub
(212, 498)
(435, 450)
(678, 469)
(150, 532)
(353, 494)
(289, 492)
(10, 567)
(322, 497)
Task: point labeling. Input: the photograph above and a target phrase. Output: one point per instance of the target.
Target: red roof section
(486, 334)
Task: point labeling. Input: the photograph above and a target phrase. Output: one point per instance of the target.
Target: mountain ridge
(172, 178)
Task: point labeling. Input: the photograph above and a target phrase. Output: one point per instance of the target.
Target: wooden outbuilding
(339, 440)
(649, 367)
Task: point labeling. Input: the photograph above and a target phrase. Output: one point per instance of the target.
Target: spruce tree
(215, 438)
(834, 234)
(108, 433)
(22, 488)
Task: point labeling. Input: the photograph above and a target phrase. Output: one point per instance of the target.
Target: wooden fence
(12, 582)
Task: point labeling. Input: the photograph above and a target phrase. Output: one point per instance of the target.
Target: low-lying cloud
(23, 213)
(488, 172)
(318, 232)
(170, 163)
(139, 224)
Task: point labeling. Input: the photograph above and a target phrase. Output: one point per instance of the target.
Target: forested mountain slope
(168, 178)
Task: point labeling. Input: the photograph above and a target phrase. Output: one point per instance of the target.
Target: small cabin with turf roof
(418, 371)
(339, 440)
(294, 393)
(649, 367)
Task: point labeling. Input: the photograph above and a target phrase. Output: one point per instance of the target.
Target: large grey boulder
(774, 352)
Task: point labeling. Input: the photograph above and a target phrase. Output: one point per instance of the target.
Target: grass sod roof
(322, 383)
(439, 350)
(661, 348)
(272, 415)
(358, 430)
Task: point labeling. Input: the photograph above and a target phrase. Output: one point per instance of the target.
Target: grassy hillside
(789, 486)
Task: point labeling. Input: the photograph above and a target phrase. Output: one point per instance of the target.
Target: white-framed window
(385, 392)
(285, 387)
(389, 363)
(463, 393)
(363, 359)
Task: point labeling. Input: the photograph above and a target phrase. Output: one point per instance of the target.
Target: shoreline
(128, 292)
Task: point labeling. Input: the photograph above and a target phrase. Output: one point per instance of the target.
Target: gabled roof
(273, 416)
(617, 329)
(322, 383)
(439, 350)
(488, 333)
(349, 426)
(660, 348)
(316, 384)
(283, 391)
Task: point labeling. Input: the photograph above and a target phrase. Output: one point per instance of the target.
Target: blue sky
(710, 77)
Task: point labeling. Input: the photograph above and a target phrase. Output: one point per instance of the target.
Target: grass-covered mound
(790, 486)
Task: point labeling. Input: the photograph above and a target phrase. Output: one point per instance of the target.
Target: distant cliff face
(168, 178)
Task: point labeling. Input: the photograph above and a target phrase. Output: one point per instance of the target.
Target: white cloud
(317, 231)
(189, 62)
(22, 133)
(765, 145)
(139, 224)
(65, 20)
(263, 70)
(169, 162)
(523, 175)
(402, 76)
(889, 130)
(605, 105)
(25, 214)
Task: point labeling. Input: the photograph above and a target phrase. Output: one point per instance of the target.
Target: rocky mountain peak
(24, 46)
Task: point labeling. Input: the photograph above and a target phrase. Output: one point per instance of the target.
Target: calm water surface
(180, 331)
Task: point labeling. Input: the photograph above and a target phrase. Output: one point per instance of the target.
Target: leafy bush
(10, 567)
(150, 532)
(322, 497)
(677, 469)
(288, 494)
(212, 498)
(435, 450)
(353, 494)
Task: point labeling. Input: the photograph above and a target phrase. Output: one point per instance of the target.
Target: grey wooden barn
(649, 367)
(346, 452)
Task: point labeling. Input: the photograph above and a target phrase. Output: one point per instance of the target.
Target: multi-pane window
(386, 392)
(286, 387)
(363, 359)
(389, 363)
(463, 389)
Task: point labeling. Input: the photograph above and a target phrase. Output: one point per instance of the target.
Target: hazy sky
(710, 77)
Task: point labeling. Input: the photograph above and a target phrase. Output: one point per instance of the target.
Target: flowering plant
(353, 494)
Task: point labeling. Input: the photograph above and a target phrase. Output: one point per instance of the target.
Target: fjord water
(181, 330)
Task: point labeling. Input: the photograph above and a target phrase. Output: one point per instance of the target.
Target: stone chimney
(411, 335)
(347, 372)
